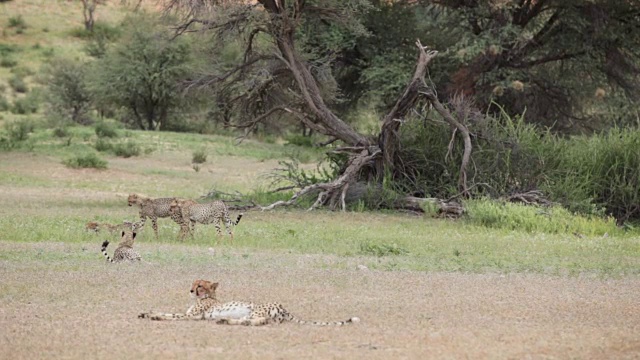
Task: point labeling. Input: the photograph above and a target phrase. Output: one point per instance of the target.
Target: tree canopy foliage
(141, 73)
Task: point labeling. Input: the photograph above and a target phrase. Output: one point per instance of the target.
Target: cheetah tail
(238, 219)
(352, 320)
(104, 250)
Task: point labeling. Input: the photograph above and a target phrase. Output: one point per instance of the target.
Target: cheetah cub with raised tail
(124, 251)
(235, 313)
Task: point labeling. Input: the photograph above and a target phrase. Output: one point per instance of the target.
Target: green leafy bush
(89, 160)
(26, 105)
(19, 130)
(22, 71)
(4, 103)
(100, 29)
(67, 91)
(199, 157)
(300, 140)
(18, 85)
(105, 130)
(8, 62)
(17, 22)
(126, 149)
(140, 74)
(103, 145)
(61, 132)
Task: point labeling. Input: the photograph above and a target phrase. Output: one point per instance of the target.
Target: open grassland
(56, 304)
(54, 202)
(422, 287)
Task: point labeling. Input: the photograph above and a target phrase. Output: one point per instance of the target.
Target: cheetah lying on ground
(213, 212)
(96, 226)
(124, 251)
(207, 307)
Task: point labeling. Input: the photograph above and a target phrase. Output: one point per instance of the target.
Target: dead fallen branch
(532, 197)
(333, 193)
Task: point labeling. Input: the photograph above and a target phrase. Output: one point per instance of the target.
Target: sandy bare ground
(55, 304)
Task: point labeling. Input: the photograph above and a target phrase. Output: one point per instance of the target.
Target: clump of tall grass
(105, 130)
(600, 173)
(382, 249)
(126, 149)
(199, 157)
(88, 160)
(19, 130)
(535, 219)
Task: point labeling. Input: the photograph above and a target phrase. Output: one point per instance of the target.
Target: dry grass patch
(85, 308)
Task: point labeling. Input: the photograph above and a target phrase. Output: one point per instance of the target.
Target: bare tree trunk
(389, 138)
(466, 156)
(306, 83)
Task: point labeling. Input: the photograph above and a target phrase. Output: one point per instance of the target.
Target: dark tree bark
(88, 10)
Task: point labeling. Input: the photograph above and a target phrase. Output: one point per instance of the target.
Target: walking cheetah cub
(235, 313)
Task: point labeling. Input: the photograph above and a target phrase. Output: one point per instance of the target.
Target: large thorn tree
(282, 80)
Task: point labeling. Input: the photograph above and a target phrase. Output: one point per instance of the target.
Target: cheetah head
(203, 289)
(133, 199)
(174, 207)
(92, 226)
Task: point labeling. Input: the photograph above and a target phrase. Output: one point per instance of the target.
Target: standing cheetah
(124, 251)
(151, 208)
(213, 212)
(235, 313)
(183, 221)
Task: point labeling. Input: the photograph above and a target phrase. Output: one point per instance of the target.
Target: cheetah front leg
(154, 225)
(193, 227)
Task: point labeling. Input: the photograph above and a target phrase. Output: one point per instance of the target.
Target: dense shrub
(300, 140)
(199, 157)
(89, 160)
(100, 30)
(67, 92)
(4, 103)
(26, 105)
(141, 73)
(126, 149)
(17, 22)
(18, 85)
(19, 130)
(105, 130)
(61, 132)
(8, 62)
(103, 144)
(590, 174)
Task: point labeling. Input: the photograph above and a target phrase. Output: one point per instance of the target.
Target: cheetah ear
(214, 286)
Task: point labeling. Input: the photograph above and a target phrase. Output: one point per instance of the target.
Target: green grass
(54, 203)
(385, 242)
